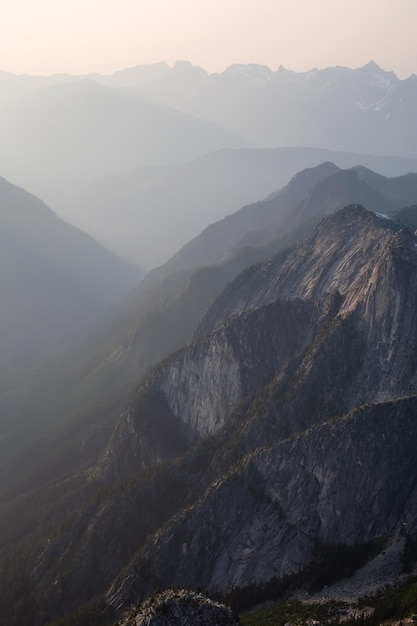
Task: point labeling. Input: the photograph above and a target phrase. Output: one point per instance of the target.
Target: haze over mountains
(172, 204)
(276, 326)
(160, 315)
(307, 337)
(59, 139)
(56, 285)
(55, 279)
(244, 411)
(84, 146)
(364, 110)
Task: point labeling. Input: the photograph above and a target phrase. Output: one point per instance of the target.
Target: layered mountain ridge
(337, 483)
(112, 154)
(278, 432)
(275, 311)
(55, 279)
(314, 107)
(318, 340)
(311, 193)
(160, 315)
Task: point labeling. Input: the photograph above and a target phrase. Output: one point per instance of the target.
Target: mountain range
(130, 156)
(56, 284)
(172, 204)
(284, 429)
(366, 110)
(166, 309)
(239, 422)
(279, 430)
(67, 135)
(52, 273)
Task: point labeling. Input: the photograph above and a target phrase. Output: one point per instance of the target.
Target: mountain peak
(324, 329)
(186, 68)
(371, 66)
(378, 77)
(259, 74)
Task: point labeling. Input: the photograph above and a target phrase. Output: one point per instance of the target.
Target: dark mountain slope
(355, 272)
(314, 333)
(159, 318)
(56, 282)
(350, 482)
(27, 221)
(92, 383)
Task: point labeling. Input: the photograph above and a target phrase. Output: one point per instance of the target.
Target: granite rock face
(287, 424)
(196, 392)
(347, 482)
(327, 323)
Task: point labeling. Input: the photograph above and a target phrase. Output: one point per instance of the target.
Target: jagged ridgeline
(280, 440)
(307, 336)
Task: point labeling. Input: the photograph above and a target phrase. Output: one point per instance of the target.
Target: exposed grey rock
(329, 314)
(272, 470)
(195, 393)
(341, 255)
(349, 481)
(180, 608)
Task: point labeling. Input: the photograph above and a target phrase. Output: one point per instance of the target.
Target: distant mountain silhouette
(168, 308)
(150, 213)
(315, 191)
(55, 281)
(160, 314)
(85, 143)
(365, 110)
(308, 334)
(66, 135)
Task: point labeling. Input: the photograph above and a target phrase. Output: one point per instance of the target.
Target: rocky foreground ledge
(180, 608)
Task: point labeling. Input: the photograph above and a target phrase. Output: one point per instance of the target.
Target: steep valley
(285, 428)
(277, 432)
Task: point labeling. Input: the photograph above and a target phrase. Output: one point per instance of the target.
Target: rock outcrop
(287, 427)
(180, 608)
(327, 324)
(348, 482)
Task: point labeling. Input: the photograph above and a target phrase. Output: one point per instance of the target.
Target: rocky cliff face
(332, 313)
(342, 255)
(196, 392)
(349, 481)
(288, 424)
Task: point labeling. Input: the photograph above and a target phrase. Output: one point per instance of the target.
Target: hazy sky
(79, 36)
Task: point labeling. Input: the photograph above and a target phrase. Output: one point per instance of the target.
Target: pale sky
(81, 36)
